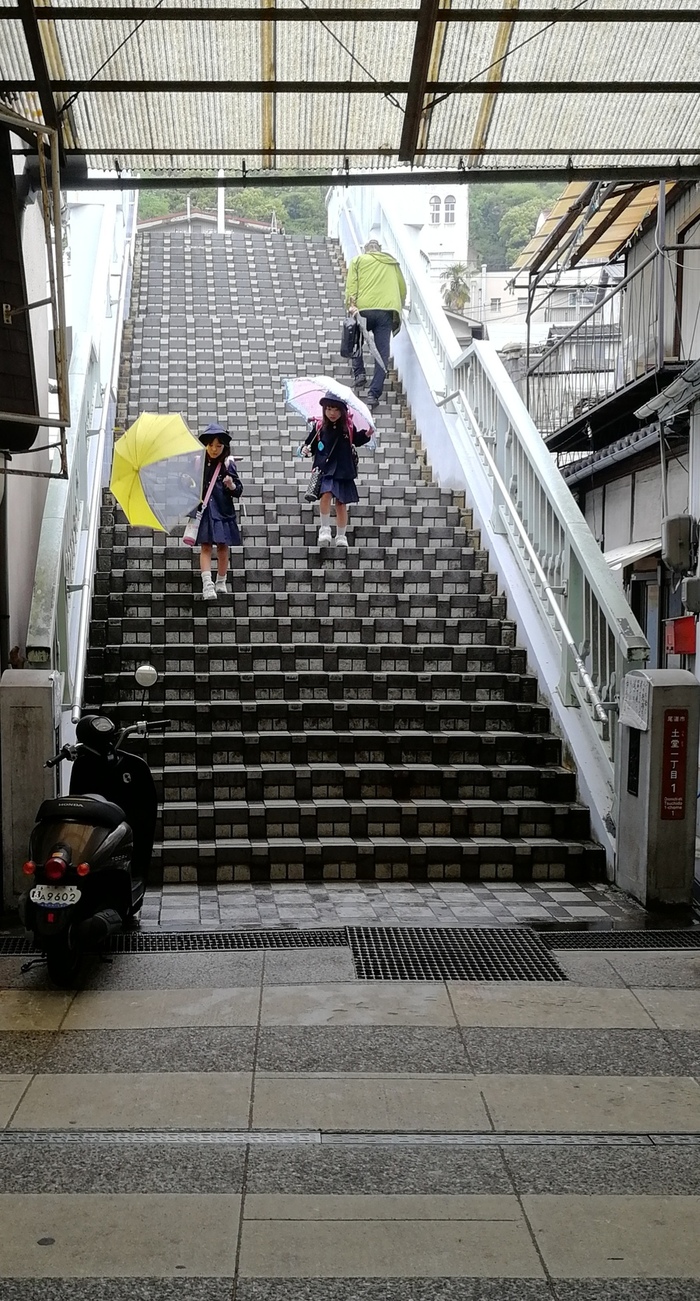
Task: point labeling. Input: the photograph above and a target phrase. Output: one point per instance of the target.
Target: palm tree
(455, 289)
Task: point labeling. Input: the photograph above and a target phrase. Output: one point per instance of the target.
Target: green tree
(299, 209)
(489, 204)
(455, 287)
(517, 226)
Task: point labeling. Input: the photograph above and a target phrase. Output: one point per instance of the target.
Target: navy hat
(215, 431)
(331, 399)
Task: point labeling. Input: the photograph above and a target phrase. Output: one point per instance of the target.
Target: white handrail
(94, 508)
(60, 610)
(469, 402)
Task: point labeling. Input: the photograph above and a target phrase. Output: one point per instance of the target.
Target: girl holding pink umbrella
(333, 438)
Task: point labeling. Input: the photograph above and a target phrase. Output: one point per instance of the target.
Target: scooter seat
(92, 809)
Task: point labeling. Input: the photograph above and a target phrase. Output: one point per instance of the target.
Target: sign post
(658, 781)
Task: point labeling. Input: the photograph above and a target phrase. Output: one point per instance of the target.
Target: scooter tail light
(29, 868)
(54, 869)
(82, 869)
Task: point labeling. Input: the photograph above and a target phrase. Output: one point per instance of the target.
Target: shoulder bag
(189, 537)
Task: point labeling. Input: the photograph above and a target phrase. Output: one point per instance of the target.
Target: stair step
(360, 713)
(371, 781)
(199, 746)
(308, 656)
(319, 685)
(384, 858)
(370, 819)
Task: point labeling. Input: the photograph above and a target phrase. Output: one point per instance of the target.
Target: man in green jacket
(376, 289)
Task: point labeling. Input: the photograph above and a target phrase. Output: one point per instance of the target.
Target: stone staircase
(363, 714)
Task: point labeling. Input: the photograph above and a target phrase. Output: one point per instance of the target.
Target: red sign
(673, 769)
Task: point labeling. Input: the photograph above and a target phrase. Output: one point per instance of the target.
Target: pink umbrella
(304, 394)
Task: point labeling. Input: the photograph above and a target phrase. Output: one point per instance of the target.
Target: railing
(59, 614)
(589, 625)
(598, 637)
(106, 426)
(609, 347)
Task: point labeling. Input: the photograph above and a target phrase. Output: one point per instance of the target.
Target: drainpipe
(660, 274)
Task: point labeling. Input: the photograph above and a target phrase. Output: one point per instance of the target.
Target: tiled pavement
(263, 1126)
(182, 907)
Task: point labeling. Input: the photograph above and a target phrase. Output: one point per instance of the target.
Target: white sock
(206, 577)
(325, 520)
(340, 530)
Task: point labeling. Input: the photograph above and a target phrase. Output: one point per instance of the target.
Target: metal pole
(664, 485)
(660, 275)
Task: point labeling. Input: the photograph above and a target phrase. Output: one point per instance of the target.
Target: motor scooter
(90, 850)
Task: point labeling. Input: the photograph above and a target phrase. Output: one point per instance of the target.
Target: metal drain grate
(447, 953)
(689, 939)
(15, 946)
(199, 941)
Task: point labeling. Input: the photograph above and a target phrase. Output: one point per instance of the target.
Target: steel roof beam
(690, 171)
(418, 78)
(130, 86)
(42, 83)
(335, 152)
(143, 13)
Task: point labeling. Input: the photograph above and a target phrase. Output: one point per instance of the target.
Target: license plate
(55, 896)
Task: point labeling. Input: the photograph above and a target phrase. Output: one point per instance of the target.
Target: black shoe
(360, 383)
(371, 402)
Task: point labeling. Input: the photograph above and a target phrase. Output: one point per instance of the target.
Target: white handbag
(189, 537)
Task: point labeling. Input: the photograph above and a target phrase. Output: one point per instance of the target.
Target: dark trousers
(379, 323)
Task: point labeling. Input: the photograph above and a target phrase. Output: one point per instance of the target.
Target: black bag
(313, 486)
(351, 338)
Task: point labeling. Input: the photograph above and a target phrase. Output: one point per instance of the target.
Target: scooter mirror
(146, 676)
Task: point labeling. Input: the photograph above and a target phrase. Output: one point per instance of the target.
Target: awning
(467, 89)
(621, 557)
(590, 224)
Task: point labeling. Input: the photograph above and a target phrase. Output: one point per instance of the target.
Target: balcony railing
(610, 346)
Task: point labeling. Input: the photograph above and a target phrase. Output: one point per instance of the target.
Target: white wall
(26, 496)
(438, 246)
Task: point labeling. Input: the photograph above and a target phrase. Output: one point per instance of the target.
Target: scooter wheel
(63, 964)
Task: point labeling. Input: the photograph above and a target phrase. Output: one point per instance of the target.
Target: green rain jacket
(375, 283)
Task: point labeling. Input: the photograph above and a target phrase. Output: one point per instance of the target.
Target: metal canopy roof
(581, 89)
(589, 224)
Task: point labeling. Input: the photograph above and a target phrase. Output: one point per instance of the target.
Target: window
(435, 211)
(495, 304)
(522, 304)
(450, 204)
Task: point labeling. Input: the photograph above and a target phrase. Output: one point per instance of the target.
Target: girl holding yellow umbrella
(218, 526)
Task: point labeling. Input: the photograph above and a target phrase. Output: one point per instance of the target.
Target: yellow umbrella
(157, 471)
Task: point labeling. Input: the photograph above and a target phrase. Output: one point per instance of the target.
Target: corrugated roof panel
(638, 207)
(602, 51)
(14, 56)
(346, 51)
(213, 121)
(467, 50)
(190, 51)
(324, 122)
(595, 122)
(526, 127)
